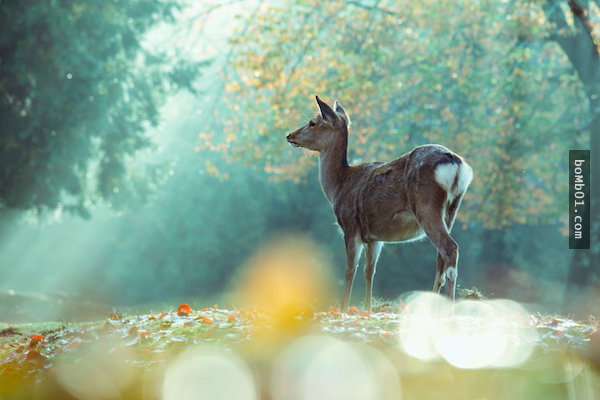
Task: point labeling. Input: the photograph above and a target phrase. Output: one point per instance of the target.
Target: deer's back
(380, 197)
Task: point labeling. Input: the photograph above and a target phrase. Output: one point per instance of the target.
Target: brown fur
(378, 202)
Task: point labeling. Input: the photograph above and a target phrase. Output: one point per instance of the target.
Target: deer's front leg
(353, 251)
(373, 252)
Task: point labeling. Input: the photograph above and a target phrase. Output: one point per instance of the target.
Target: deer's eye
(311, 123)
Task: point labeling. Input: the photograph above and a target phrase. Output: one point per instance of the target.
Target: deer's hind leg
(439, 269)
(452, 211)
(430, 212)
(450, 217)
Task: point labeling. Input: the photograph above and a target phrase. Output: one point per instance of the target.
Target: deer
(412, 197)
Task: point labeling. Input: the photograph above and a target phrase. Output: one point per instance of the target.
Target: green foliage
(478, 77)
(78, 91)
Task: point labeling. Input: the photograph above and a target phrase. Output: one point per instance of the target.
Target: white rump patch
(446, 173)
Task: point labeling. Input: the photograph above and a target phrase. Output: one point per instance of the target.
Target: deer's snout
(291, 138)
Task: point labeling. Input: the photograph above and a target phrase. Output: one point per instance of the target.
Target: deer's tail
(454, 175)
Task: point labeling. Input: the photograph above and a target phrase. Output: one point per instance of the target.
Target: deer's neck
(333, 164)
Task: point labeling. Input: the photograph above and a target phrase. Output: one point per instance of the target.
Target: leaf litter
(153, 337)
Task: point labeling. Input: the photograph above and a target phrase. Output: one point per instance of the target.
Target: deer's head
(324, 130)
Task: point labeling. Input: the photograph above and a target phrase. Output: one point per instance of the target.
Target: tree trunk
(585, 59)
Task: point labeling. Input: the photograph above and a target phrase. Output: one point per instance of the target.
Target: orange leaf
(334, 312)
(353, 310)
(184, 310)
(115, 316)
(35, 340)
(206, 320)
(231, 318)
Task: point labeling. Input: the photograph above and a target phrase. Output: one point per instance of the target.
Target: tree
(78, 90)
(580, 45)
(466, 74)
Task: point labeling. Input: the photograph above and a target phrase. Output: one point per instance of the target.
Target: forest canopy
(80, 89)
(481, 77)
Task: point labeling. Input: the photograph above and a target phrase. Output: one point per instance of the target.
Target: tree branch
(579, 46)
(375, 7)
(555, 15)
(582, 16)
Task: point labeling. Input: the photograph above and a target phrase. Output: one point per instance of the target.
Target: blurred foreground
(278, 343)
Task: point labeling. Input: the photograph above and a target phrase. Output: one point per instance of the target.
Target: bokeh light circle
(419, 322)
(96, 372)
(325, 368)
(208, 373)
(468, 337)
(468, 334)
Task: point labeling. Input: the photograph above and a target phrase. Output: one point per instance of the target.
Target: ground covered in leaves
(156, 333)
(30, 354)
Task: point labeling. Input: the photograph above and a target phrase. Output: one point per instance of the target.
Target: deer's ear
(326, 112)
(341, 112)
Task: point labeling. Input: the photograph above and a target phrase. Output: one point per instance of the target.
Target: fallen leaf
(353, 310)
(165, 324)
(184, 310)
(35, 340)
(115, 316)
